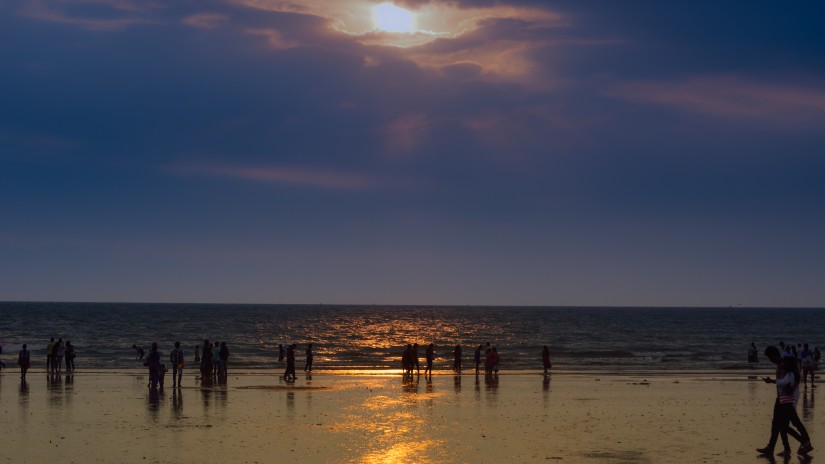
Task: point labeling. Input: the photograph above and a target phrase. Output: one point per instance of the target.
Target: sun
(391, 18)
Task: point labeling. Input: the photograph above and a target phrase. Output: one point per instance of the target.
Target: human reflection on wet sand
(802, 459)
(177, 403)
(491, 382)
(153, 400)
(24, 393)
(410, 384)
(290, 404)
(54, 384)
(457, 383)
(808, 405)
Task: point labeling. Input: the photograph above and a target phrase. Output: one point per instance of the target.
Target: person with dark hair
(477, 357)
(289, 375)
(153, 362)
(753, 356)
(50, 355)
(59, 353)
(806, 358)
(70, 355)
(224, 360)
(138, 352)
(176, 359)
(216, 360)
(784, 412)
(415, 359)
(308, 365)
(406, 361)
(545, 359)
(206, 360)
(24, 361)
(429, 356)
(457, 359)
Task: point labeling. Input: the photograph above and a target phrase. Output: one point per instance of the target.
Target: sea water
(347, 338)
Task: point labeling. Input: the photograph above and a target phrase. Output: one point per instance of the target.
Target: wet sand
(108, 416)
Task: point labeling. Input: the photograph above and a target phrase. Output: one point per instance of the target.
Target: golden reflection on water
(393, 429)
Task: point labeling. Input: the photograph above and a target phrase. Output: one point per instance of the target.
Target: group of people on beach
(785, 420)
(212, 360)
(489, 356)
(807, 360)
(56, 353)
(288, 355)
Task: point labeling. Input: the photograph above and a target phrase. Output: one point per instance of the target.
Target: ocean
(350, 338)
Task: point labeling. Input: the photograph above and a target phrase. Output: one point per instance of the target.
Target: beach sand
(110, 416)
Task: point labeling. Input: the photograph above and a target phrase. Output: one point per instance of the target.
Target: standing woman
(206, 360)
(59, 353)
(176, 358)
(216, 359)
(224, 360)
(457, 359)
(24, 361)
(289, 375)
(545, 358)
(153, 362)
(69, 356)
(308, 365)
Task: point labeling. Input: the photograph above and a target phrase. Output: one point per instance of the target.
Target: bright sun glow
(391, 18)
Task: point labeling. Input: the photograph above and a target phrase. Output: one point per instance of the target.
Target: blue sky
(503, 153)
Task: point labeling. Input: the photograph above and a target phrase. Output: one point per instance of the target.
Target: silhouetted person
(216, 359)
(308, 366)
(806, 358)
(784, 411)
(753, 356)
(139, 353)
(281, 353)
(222, 371)
(457, 358)
(415, 359)
(488, 361)
(406, 361)
(289, 374)
(545, 358)
(50, 355)
(153, 363)
(59, 353)
(429, 354)
(206, 360)
(477, 357)
(24, 361)
(177, 360)
(70, 355)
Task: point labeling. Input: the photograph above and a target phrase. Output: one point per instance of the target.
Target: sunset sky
(496, 153)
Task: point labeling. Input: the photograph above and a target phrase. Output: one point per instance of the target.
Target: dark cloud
(224, 125)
